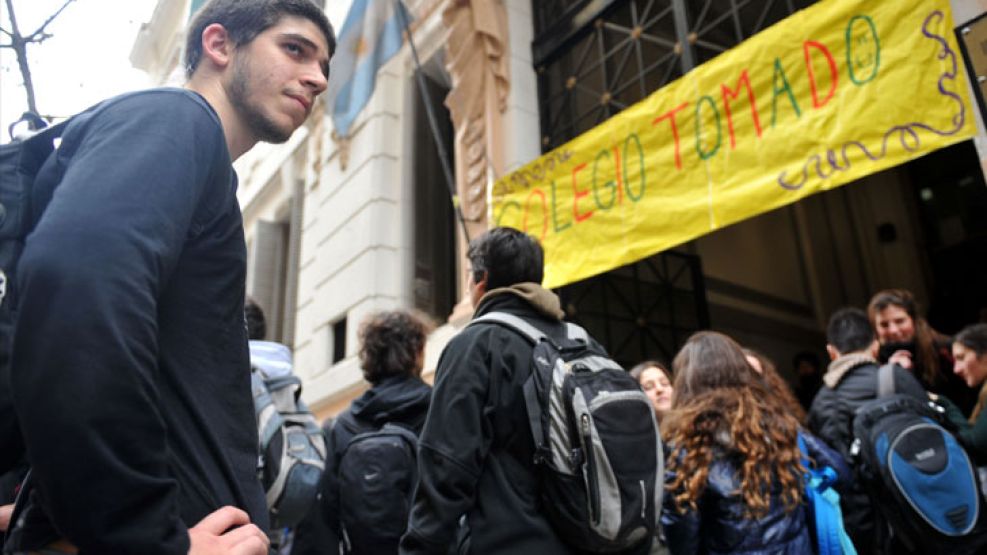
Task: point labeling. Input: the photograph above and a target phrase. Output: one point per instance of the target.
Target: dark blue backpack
(20, 207)
(920, 479)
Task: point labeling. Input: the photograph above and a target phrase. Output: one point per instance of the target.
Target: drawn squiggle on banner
(907, 134)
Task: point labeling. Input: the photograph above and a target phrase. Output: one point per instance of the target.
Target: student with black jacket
(850, 382)
(476, 453)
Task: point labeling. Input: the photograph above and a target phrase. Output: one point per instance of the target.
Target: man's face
(276, 77)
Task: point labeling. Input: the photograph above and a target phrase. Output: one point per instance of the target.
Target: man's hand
(210, 535)
(6, 511)
(902, 358)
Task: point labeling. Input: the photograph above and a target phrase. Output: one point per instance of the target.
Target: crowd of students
(736, 437)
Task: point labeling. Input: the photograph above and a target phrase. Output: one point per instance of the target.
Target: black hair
(849, 330)
(245, 19)
(973, 337)
(391, 344)
(256, 324)
(507, 256)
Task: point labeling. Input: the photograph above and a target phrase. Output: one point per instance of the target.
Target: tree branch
(6, 32)
(6, 45)
(40, 30)
(39, 39)
(20, 48)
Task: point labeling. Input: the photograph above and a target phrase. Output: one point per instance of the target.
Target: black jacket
(720, 525)
(476, 451)
(130, 374)
(849, 383)
(400, 400)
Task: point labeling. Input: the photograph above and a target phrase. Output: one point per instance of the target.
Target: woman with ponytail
(734, 482)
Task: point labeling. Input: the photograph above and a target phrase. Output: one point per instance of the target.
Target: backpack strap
(534, 410)
(885, 381)
(516, 323)
(533, 334)
(531, 400)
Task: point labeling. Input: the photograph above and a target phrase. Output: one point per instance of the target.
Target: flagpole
(433, 123)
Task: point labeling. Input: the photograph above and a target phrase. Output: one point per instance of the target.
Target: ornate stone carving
(477, 61)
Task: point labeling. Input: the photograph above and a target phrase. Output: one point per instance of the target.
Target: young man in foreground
(130, 370)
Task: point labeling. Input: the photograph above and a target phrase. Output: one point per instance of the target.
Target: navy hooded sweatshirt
(130, 373)
(401, 400)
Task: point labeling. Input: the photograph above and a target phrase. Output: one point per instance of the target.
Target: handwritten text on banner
(840, 90)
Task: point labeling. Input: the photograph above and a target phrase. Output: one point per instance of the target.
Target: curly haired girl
(734, 481)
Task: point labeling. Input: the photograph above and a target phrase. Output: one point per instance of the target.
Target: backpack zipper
(594, 492)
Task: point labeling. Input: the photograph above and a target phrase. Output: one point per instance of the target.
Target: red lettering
(833, 72)
(675, 131)
(577, 194)
(729, 94)
(544, 213)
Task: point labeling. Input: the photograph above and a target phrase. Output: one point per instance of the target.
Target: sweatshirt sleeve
(453, 445)
(85, 357)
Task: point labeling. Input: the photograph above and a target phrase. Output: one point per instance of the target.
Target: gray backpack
(292, 448)
(598, 452)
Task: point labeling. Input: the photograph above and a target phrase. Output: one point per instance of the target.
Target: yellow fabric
(840, 90)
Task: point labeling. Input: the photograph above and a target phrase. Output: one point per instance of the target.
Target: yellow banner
(835, 92)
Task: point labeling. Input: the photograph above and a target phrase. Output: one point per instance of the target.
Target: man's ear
(832, 352)
(217, 46)
(481, 285)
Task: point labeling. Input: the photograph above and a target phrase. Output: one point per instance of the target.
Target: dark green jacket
(973, 437)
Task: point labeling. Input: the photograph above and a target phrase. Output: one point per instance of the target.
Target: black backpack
(20, 207)
(920, 480)
(377, 475)
(597, 447)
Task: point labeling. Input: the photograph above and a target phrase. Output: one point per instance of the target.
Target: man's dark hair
(245, 19)
(507, 256)
(391, 343)
(256, 324)
(849, 330)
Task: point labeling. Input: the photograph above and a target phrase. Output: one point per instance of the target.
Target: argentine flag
(371, 35)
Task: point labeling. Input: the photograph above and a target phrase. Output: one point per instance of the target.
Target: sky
(87, 59)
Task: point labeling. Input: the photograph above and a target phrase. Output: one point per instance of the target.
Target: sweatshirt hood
(272, 359)
(842, 366)
(543, 300)
(393, 399)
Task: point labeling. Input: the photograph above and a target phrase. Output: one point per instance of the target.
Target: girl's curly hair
(392, 343)
(723, 409)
